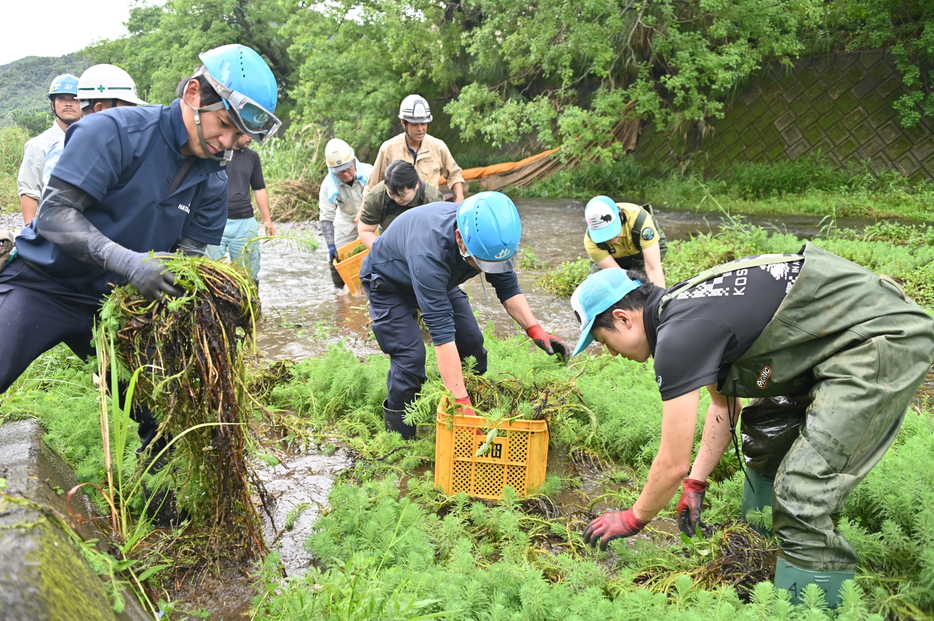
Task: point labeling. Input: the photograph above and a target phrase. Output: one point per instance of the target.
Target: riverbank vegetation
(904, 252)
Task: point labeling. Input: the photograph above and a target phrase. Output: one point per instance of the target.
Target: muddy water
(303, 313)
(300, 485)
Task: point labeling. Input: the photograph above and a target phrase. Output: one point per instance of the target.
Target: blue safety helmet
(65, 84)
(247, 86)
(490, 227)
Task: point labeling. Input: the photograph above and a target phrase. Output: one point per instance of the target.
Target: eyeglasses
(250, 118)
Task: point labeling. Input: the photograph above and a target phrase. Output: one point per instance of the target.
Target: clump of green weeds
(385, 556)
(565, 278)
(528, 260)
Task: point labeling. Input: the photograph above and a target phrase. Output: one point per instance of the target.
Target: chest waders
(858, 348)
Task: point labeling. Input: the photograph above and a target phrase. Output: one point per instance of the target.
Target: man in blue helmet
(129, 183)
(417, 264)
(63, 94)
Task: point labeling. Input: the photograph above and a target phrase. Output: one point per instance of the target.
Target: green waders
(858, 348)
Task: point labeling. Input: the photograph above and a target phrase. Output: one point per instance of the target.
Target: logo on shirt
(763, 377)
(648, 233)
(184, 208)
(658, 380)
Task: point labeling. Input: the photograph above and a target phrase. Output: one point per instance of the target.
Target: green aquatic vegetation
(355, 251)
(564, 279)
(528, 260)
(380, 554)
(58, 390)
(186, 359)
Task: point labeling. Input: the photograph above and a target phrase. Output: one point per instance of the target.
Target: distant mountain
(24, 83)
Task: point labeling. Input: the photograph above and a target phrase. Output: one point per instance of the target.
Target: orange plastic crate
(349, 269)
(517, 457)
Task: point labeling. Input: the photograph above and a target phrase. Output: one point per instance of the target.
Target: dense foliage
(12, 141)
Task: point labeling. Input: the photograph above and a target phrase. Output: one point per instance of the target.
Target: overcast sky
(57, 27)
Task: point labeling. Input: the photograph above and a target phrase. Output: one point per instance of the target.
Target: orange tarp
(498, 169)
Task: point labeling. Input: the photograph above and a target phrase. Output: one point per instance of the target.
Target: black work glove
(610, 526)
(689, 505)
(147, 273)
(332, 252)
(548, 342)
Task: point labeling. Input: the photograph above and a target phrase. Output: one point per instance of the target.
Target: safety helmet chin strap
(52, 105)
(405, 129)
(227, 155)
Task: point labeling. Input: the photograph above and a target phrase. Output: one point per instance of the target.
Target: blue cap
(603, 221)
(595, 295)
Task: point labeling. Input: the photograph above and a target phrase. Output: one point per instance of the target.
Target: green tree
(357, 60)
(905, 28)
(32, 121)
(570, 71)
(165, 41)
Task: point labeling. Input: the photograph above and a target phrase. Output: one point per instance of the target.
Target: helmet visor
(497, 267)
(250, 118)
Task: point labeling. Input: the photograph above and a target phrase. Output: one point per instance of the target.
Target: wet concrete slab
(43, 577)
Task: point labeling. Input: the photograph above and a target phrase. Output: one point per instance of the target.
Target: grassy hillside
(24, 83)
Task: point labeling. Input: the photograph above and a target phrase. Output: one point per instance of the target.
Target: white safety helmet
(338, 155)
(107, 82)
(414, 109)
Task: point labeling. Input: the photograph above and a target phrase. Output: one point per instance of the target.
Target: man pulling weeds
(417, 264)
(845, 341)
(129, 183)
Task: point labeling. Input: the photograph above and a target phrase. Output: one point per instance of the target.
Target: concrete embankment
(43, 577)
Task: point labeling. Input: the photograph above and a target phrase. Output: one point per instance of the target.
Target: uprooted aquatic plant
(187, 352)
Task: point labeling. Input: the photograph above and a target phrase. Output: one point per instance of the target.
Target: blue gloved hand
(332, 252)
(147, 273)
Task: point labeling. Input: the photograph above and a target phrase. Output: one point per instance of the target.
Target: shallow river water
(303, 313)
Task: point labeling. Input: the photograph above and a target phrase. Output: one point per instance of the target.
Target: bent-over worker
(848, 342)
(417, 264)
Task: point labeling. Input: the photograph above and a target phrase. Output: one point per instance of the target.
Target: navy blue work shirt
(126, 159)
(418, 258)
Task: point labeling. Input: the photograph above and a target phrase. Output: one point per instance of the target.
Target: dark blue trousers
(398, 334)
(36, 314)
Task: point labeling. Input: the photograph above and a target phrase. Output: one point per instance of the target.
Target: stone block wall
(839, 106)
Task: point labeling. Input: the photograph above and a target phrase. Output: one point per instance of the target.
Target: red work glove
(465, 408)
(550, 343)
(690, 504)
(610, 526)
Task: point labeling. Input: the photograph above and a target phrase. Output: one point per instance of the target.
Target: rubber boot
(757, 495)
(794, 579)
(336, 277)
(394, 422)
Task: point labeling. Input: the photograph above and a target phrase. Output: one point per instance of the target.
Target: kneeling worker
(418, 263)
(624, 235)
(400, 191)
(763, 327)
